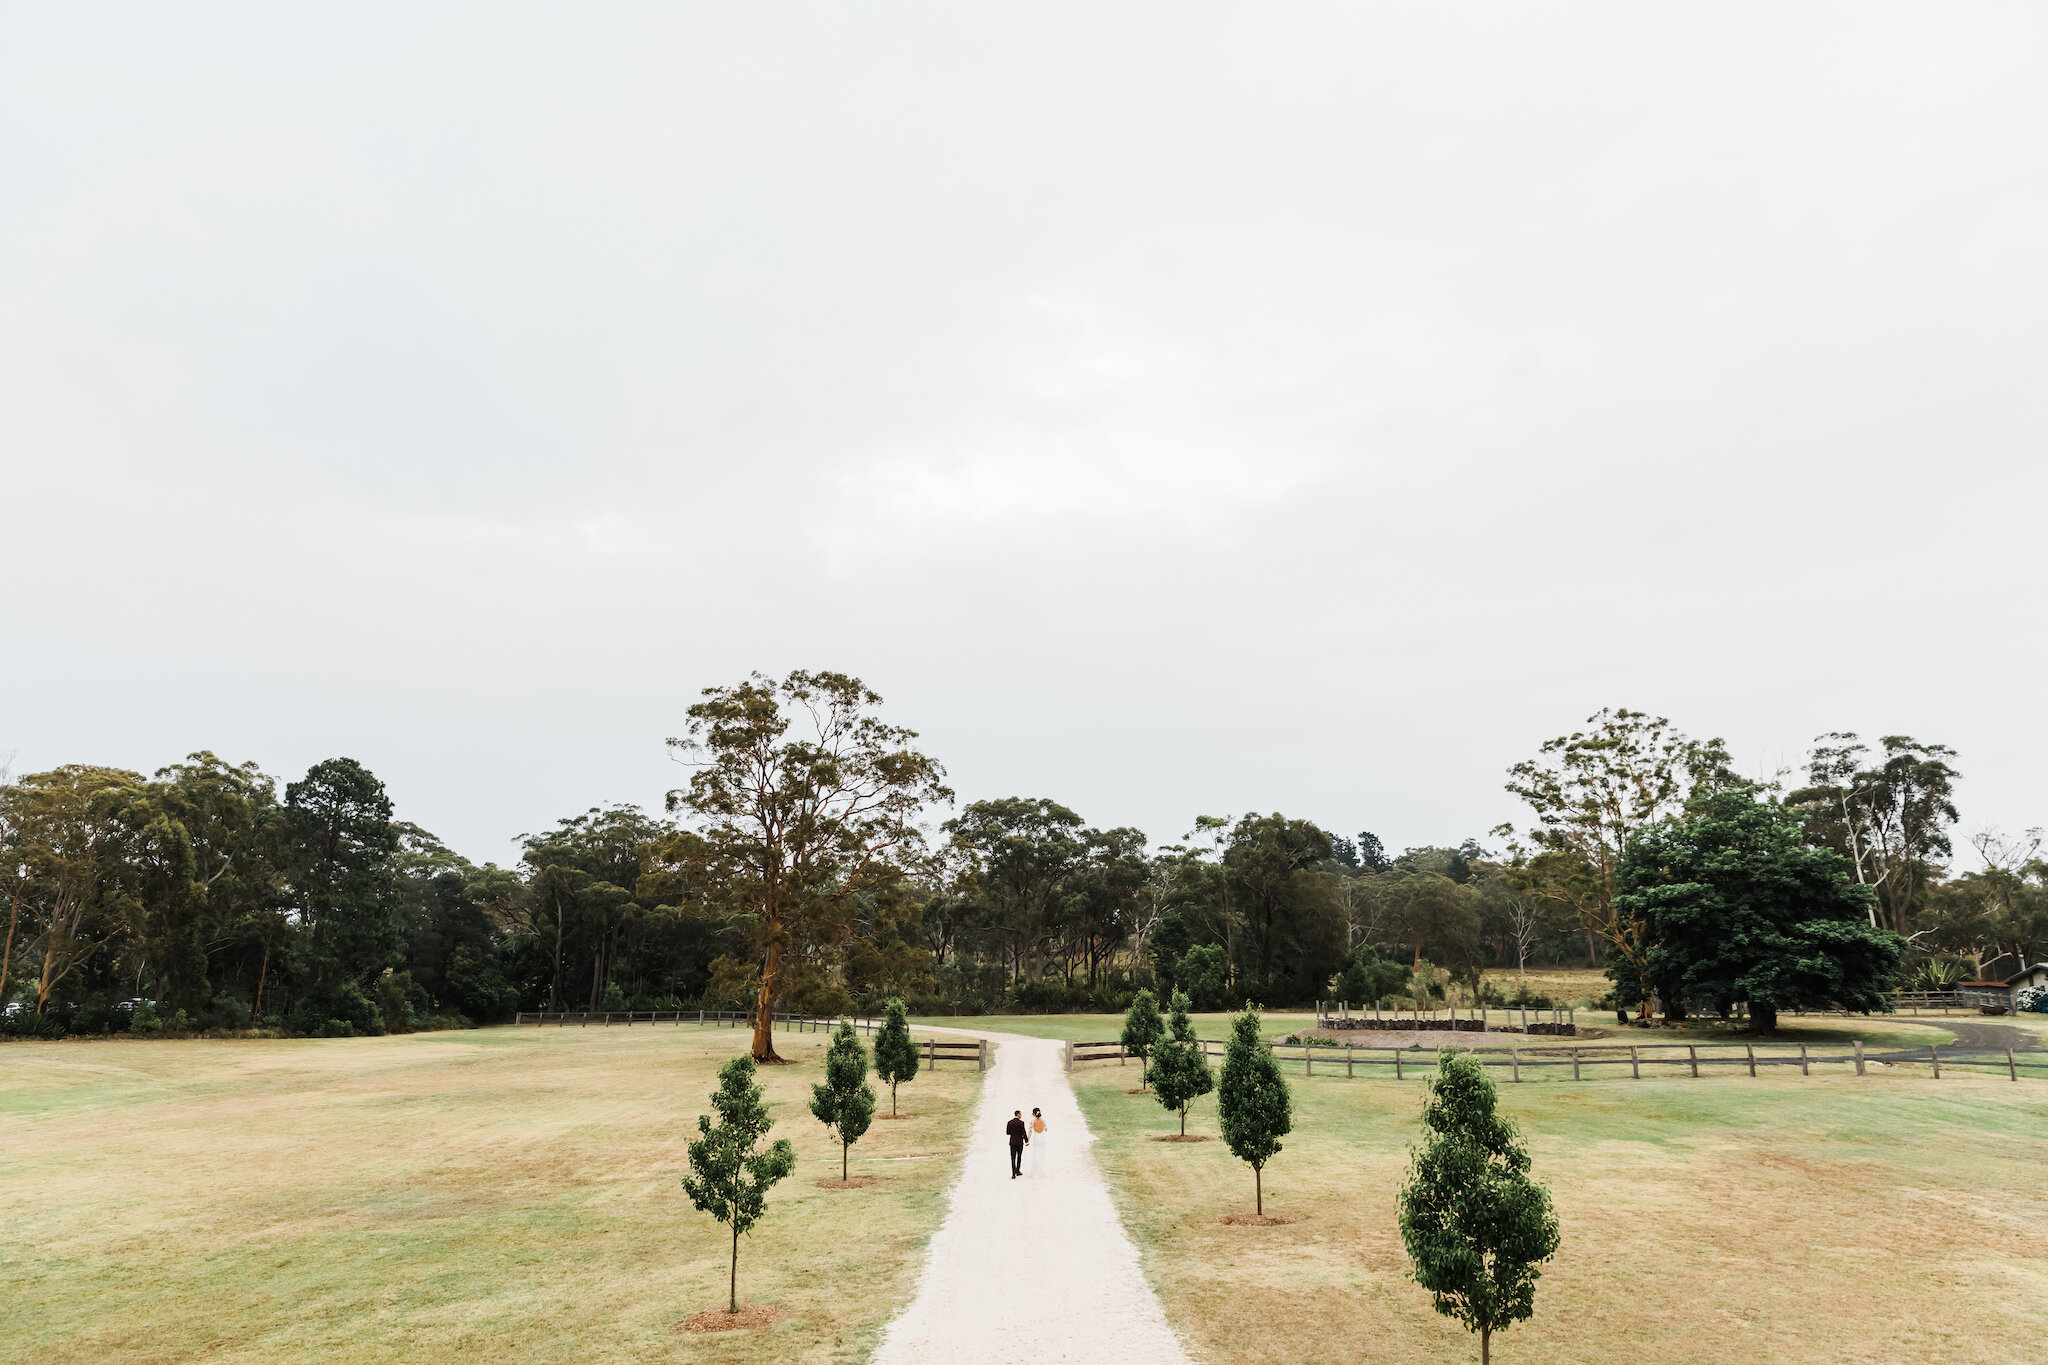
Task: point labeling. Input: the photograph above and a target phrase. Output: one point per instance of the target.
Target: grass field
(503, 1195)
(1882, 1219)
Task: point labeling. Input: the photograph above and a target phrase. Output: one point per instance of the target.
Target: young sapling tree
(1256, 1107)
(1142, 1030)
(730, 1174)
(895, 1054)
(1180, 1066)
(1476, 1227)
(845, 1103)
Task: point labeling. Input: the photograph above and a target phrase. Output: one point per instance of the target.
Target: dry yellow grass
(1884, 1219)
(503, 1195)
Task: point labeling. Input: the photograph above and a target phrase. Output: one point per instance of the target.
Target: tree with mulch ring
(895, 1054)
(845, 1103)
(1476, 1227)
(1256, 1107)
(1142, 1031)
(1180, 1067)
(730, 1173)
(718, 1320)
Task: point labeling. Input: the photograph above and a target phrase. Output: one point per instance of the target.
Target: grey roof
(2037, 967)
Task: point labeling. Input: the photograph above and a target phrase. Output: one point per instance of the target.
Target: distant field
(501, 1195)
(1885, 1219)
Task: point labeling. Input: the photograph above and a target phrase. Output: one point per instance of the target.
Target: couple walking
(1022, 1136)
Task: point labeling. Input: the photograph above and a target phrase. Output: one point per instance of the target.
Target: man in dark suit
(1018, 1138)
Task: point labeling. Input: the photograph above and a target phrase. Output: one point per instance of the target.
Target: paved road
(1036, 1269)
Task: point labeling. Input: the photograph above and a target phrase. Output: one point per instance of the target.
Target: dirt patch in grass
(1141, 1090)
(1180, 1137)
(893, 1118)
(1256, 1220)
(718, 1320)
(853, 1182)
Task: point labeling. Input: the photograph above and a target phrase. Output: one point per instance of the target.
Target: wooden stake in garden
(1142, 1032)
(729, 1175)
(895, 1054)
(1257, 1108)
(1476, 1227)
(845, 1103)
(1180, 1065)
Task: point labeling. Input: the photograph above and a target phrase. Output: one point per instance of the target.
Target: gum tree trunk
(764, 1005)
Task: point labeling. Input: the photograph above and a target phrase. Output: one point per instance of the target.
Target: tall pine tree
(1142, 1031)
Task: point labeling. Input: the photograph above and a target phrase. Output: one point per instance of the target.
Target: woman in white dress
(1037, 1143)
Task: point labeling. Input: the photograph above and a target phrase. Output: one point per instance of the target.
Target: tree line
(815, 861)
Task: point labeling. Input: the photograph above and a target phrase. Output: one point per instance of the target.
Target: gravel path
(1036, 1269)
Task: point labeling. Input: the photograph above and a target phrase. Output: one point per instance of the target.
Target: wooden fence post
(1308, 1067)
(1575, 1063)
(1859, 1056)
(1515, 1060)
(1802, 1061)
(1635, 1064)
(1692, 1051)
(1347, 1060)
(1119, 1054)
(1750, 1049)
(1937, 1060)
(983, 1057)
(2011, 1067)
(1070, 1054)
(1397, 1064)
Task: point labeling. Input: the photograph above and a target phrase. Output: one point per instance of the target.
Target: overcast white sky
(1167, 408)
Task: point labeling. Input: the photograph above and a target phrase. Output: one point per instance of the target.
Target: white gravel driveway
(1036, 1269)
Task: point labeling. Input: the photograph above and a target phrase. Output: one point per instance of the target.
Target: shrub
(226, 1012)
(145, 1021)
(2032, 1000)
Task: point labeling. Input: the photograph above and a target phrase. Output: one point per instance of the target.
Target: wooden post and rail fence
(1604, 1063)
(933, 1049)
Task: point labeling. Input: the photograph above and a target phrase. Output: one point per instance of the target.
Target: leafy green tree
(1143, 1028)
(1736, 905)
(1169, 944)
(1591, 791)
(343, 871)
(845, 1103)
(1476, 1227)
(1292, 917)
(895, 1054)
(70, 841)
(1890, 819)
(1256, 1107)
(1020, 853)
(1368, 977)
(794, 831)
(1180, 1067)
(730, 1175)
(1205, 973)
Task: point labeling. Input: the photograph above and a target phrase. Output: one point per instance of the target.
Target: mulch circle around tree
(858, 1182)
(1177, 1137)
(1256, 1220)
(718, 1320)
(893, 1118)
(1141, 1090)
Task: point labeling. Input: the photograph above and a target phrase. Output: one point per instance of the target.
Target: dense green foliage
(1736, 906)
(845, 1103)
(206, 898)
(1476, 1227)
(1254, 1103)
(1180, 1064)
(730, 1175)
(895, 1053)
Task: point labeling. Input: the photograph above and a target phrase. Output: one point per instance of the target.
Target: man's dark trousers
(1016, 1158)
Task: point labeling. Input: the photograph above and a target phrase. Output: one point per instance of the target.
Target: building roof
(2037, 967)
